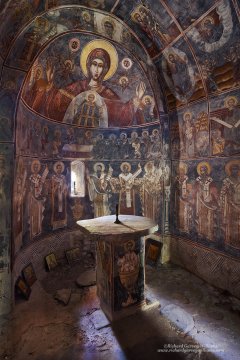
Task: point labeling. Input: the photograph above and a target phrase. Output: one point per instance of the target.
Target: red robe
(57, 101)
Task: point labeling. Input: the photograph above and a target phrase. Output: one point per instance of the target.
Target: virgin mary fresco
(89, 102)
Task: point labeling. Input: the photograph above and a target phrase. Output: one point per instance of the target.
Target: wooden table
(120, 261)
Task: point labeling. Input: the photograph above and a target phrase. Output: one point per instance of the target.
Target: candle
(117, 210)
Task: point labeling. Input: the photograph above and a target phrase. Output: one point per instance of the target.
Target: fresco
(128, 275)
(215, 41)
(50, 24)
(10, 84)
(17, 15)
(205, 196)
(90, 85)
(187, 12)
(42, 138)
(183, 83)
(190, 132)
(225, 124)
(43, 198)
(6, 176)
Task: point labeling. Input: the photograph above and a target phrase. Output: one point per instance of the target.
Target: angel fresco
(72, 103)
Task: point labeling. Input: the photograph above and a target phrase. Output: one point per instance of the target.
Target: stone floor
(195, 321)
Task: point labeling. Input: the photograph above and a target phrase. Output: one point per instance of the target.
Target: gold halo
(155, 131)
(92, 94)
(37, 162)
(86, 14)
(234, 98)
(100, 44)
(204, 163)
(147, 165)
(125, 163)
(183, 166)
(187, 113)
(123, 78)
(230, 164)
(147, 97)
(129, 242)
(69, 62)
(210, 18)
(58, 163)
(98, 164)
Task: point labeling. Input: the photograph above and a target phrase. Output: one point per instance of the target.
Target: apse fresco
(225, 124)
(206, 202)
(89, 82)
(190, 132)
(216, 42)
(182, 83)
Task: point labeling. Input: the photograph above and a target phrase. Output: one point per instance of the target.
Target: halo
(155, 131)
(234, 98)
(210, 18)
(127, 164)
(147, 165)
(136, 11)
(69, 62)
(91, 93)
(87, 15)
(35, 162)
(145, 132)
(39, 19)
(134, 133)
(125, 134)
(73, 40)
(204, 163)
(112, 136)
(123, 78)
(98, 164)
(129, 61)
(187, 113)
(38, 67)
(58, 163)
(147, 97)
(100, 44)
(230, 164)
(129, 242)
(109, 20)
(183, 166)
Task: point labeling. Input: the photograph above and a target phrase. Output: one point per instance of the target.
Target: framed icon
(153, 251)
(51, 261)
(29, 275)
(23, 288)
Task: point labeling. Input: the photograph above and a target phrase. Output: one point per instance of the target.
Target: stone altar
(120, 261)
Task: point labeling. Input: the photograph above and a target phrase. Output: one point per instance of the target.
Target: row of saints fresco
(205, 205)
(44, 200)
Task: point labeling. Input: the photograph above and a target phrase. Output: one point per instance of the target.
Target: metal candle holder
(117, 221)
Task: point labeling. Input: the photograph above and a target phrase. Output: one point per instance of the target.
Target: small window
(77, 178)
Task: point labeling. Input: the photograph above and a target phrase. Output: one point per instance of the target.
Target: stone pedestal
(120, 261)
